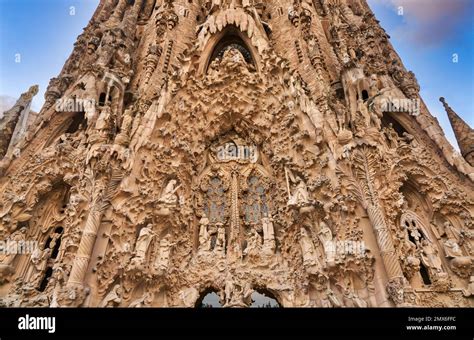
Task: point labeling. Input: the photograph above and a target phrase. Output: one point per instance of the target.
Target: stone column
(117, 16)
(81, 262)
(105, 10)
(235, 237)
(131, 17)
(104, 192)
(396, 281)
(384, 241)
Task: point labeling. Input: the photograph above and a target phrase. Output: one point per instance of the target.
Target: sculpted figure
(141, 247)
(332, 298)
(228, 290)
(102, 122)
(300, 196)
(40, 261)
(307, 248)
(392, 136)
(59, 277)
(220, 241)
(373, 85)
(236, 294)
(460, 264)
(113, 299)
(164, 255)
(169, 196)
(452, 249)
(352, 300)
(105, 124)
(254, 244)
(123, 137)
(145, 301)
(430, 257)
(362, 108)
(326, 238)
(268, 235)
(204, 235)
(107, 48)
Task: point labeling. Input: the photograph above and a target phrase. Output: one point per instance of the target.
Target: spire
(463, 132)
(10, 119)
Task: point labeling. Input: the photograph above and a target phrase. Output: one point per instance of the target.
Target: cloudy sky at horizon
(426, 34)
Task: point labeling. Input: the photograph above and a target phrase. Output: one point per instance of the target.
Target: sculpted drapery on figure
(310, 257)
(142, 244)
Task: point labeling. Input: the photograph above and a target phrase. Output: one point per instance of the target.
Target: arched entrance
(209, 299)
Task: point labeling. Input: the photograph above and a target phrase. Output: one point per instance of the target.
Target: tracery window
(215, 203)
(255, 205)
(49, 255)
(429, 264)
(234, 202)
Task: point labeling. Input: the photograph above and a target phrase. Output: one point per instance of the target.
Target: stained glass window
(215, 202)
(255, 205)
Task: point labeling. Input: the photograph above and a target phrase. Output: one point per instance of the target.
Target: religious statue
(163, 258)
(459, 264)
(429, 257)
(141, 247)
(236, 294)
(228, 290)
(392, 136)
(331, 299)
(103, 122)
(144, 301)
(452, 249)
(351, 299)
(113, 299)
(310, 257)
(169, 197)
(39, 259)
(268, 235)
(362, 108)
(373, 85)
(300, 196)
(204, 235)
(220, 240)
(123, 138)
(254, 244)
(107, 47)
(326, 238)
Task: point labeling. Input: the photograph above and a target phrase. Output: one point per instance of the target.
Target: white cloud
(430, 21)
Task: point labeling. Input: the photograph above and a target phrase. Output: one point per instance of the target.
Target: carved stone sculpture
(113, 298)
(310, 258)
(234, 147)
(141, 246)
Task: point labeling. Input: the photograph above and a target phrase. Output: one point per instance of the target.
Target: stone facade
(235, 146)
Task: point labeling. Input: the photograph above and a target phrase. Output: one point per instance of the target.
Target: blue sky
(43, 33)
(426, 36)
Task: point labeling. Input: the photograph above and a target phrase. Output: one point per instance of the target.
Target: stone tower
(234, 147)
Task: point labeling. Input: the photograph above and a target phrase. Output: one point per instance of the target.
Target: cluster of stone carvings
(235, 146)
